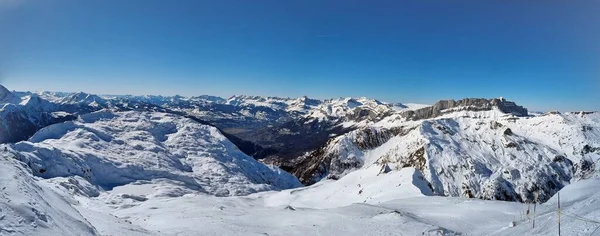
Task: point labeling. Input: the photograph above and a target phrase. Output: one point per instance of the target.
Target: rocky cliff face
(469, 104)
(341, 155)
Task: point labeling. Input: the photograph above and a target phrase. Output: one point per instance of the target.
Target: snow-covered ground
(28, 207)
(371, 185)
(154, 208)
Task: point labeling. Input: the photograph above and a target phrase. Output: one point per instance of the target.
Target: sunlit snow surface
(136, 173)
(112, 149)
(148, 209)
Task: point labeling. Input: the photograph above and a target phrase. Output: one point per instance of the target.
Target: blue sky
(541, 54)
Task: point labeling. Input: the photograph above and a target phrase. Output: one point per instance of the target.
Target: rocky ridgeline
(470, 104)
(334, 160)
(6, 96)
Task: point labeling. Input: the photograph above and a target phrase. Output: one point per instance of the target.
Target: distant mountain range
(484, 148)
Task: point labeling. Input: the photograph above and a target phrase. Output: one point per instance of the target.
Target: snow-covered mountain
(82, 98)
(84, 164)
(20, 117)
(468, 150)
(291, 105)
(6, 96)
(261, 126)
(115, 148)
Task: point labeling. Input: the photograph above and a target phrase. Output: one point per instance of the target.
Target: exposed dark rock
(560, 158)
(301, 136)
(18, 124)
(466, 191)
(320, 163)
(384, 169)
(508, 132)
(586, 128)
(584, 113)
(500, 189)
(495, 125)
(443, 129)
(512, 145)
(584, 169)
(312, 167)
(416, 160)
(589, 149)
(470, 104)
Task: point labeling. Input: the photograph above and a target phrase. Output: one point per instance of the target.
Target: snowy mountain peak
(308, 101)
(83, 98)
(238, 100)
(6, 96)
(352, 109)
(292, 105)
(32, 100)
(208, 98)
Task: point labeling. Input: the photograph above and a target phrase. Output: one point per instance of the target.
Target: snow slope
(30, 208)
(315, 210)
(372, 185)
(580, 213)
(329, 208)
(485, 154)
(115, 148)
(207, 215)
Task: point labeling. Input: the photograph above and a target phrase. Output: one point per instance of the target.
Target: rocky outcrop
(584, 113)
(469, 104)
(589, 149)
(342, 154)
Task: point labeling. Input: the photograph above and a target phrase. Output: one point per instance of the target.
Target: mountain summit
(6, 96)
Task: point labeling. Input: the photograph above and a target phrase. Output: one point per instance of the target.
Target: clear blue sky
(542, 54)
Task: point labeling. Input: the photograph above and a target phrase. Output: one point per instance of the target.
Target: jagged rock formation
(469, 104)
(337, 157)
